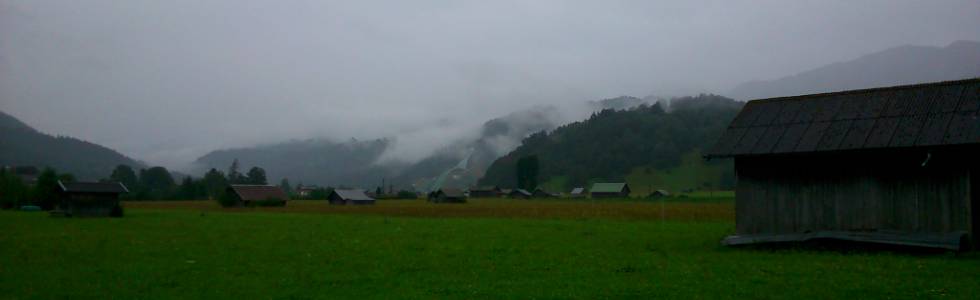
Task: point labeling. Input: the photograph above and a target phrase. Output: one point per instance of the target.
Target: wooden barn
(248, 195)
(349, 197)
(447, 195)
(895, 165)
(90, 199)
(610, 190)
(541, 193)
(519, 194)
(485, 192)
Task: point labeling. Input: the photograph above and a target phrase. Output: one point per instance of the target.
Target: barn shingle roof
(258, 192)
(352, 195)
(93, 187)
(608, 187)
(921, 115)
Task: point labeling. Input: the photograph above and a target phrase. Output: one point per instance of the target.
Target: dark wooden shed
(349, 197)
(90, 199)
(485, 192)
(447, 195)
(891, 165)
(610, 190)
(541, 193)
(519, 194)
(247, 195)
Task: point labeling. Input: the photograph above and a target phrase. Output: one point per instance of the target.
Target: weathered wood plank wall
(868, 192)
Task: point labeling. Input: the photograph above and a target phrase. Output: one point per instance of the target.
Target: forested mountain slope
(615, 144)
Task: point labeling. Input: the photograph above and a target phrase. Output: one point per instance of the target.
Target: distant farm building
(305, 191)
(519, 194)
(892, 165)
(28, 174)
(610, 190)
(447, 195)
(485, 192)
(659, 194)
(349, 197)
(577, 192)
(247, 195)
(90, 199)
(541, 193)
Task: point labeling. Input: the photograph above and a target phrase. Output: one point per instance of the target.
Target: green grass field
(499, 249)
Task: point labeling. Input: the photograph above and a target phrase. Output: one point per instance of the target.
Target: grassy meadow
(492, 248)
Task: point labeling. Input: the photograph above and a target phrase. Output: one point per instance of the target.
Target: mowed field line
(715, 210)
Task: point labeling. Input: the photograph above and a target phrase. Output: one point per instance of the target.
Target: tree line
(44, 193)
(154, 183)
(157, 183)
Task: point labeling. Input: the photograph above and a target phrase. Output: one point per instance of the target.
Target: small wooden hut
(541, 193)
(578, 192)
(447, 195)
(610, 190)
(349, 197)
(485, 192)
(90, 199)
(248, 195)
(519, 194)
(894, 165)
(659, 194)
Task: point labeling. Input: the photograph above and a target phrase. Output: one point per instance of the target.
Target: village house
(894, 165)
(578, 192)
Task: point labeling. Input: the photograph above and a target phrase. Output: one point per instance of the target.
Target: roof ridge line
(865, 90)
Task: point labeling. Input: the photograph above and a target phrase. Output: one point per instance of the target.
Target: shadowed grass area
(199, 251)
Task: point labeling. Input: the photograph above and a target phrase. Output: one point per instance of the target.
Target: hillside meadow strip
(416, 250)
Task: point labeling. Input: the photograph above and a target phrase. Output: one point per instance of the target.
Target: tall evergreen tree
(527, 172)
(46, 189)
(124, 174)
(234, 177)
(186, 190)
(157, 182)
(256, 175)
(214, 183)
(284, 185)
(13, 191)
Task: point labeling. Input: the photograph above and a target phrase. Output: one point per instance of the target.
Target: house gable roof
(921, 115)
(520, 192)
(352, 195)
(258, 192)
(608, 187)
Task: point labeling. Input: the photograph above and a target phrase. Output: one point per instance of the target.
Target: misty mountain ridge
(361, 163)
(461, 163)
(894, 66)
(22, 145)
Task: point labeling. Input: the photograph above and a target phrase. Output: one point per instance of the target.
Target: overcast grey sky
(167, 81)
